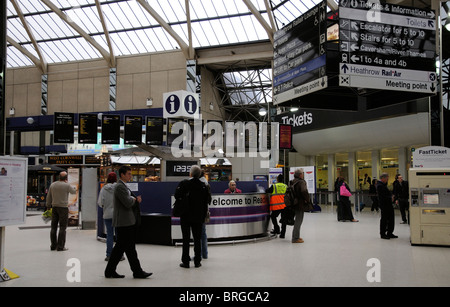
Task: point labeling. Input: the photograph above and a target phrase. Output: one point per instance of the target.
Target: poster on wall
(73, 178)
(310, 177)
(13, 189)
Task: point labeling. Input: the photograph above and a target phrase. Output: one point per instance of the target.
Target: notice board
(13, 189)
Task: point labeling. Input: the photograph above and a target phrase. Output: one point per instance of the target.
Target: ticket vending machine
(429, 210)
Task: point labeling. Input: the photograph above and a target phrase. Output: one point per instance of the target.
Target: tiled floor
(334, 254)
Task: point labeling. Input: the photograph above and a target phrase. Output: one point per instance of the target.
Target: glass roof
(132, 28)
(41, 32)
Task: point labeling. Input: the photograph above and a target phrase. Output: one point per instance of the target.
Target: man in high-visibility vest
(277, 205)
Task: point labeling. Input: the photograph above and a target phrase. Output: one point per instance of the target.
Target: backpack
(290, 196)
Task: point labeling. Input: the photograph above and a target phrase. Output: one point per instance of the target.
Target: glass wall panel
(322, 172)
(389, 164)
(364, 169)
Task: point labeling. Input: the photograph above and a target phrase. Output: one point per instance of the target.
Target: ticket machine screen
(431, 198)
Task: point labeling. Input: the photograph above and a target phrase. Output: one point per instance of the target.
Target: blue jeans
(109, 236)
(204, 242)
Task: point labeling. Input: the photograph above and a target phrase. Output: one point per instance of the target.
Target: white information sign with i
(181, 104)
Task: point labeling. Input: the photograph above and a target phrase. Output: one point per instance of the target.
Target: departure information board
(300, 56)
(87, 128)
(110, 129)
(63, 127)
(154, 130)
(285, 136)
(132, 134)
(387, 46)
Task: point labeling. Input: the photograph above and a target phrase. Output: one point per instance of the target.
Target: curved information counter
(233, 216)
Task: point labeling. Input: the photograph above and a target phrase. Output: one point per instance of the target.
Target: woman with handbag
(344, 194)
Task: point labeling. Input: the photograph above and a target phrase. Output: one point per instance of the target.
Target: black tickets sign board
(110, 129)
(63, 127)
(87, 128)
(154, 130)
(132, 130)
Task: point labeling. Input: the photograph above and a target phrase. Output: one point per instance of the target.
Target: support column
(375, 164)
(352, 171)
(402, 162)
(331, 172)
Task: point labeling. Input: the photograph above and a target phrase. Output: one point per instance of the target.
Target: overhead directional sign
(387, 46)
(300, 56)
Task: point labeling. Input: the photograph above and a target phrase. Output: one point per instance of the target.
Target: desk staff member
(232, 188)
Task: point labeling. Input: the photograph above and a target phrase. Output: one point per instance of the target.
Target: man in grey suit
(126, 219)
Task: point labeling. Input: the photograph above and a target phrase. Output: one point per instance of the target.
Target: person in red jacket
(232, 188)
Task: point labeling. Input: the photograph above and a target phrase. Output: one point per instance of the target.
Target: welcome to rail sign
(387, 46)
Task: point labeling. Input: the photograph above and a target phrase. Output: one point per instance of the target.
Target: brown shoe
(298, 241)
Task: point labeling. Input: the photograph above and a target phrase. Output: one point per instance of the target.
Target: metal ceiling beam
(270, 14)
(184, 47)
(189, 26)
(42, 63)
(262, 21)
(78, 29)
(27, 53)
(107, 37)
(332, 5)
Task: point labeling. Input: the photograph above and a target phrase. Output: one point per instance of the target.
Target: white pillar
(331, 172)
(402, 162)
(352, 171)
(375, 164)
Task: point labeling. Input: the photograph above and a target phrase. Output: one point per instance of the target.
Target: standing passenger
(301, 192)
(277, 205)
(387, 210)
(196, 196)
(58, 200)
(106, 201)
(126, 219)
(401, 196)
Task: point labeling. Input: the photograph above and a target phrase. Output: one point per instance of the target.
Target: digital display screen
(110, 129)
(133, 130)
(171, 135)
(285, 136)
(87, 128)
(154, 130)
(63, 127)
(430, 198)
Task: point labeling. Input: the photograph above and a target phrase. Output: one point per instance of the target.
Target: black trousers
(387, 220)
(60, 216)
(276, 228)
(186, 227)
(403, 204)
(125, 243)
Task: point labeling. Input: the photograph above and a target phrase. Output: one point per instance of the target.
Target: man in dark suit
(197, 197)
(387, 210)
(126, 219)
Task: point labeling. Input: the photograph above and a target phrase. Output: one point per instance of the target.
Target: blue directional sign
(300, 55)
(387, 46)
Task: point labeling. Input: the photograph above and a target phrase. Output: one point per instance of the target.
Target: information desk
(233, 216)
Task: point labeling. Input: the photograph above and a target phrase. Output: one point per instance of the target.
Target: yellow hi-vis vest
(277, 197)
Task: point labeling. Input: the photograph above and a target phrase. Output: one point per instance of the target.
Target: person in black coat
(197, 197)
(401, 196)
(373, 196)
(387, 210)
